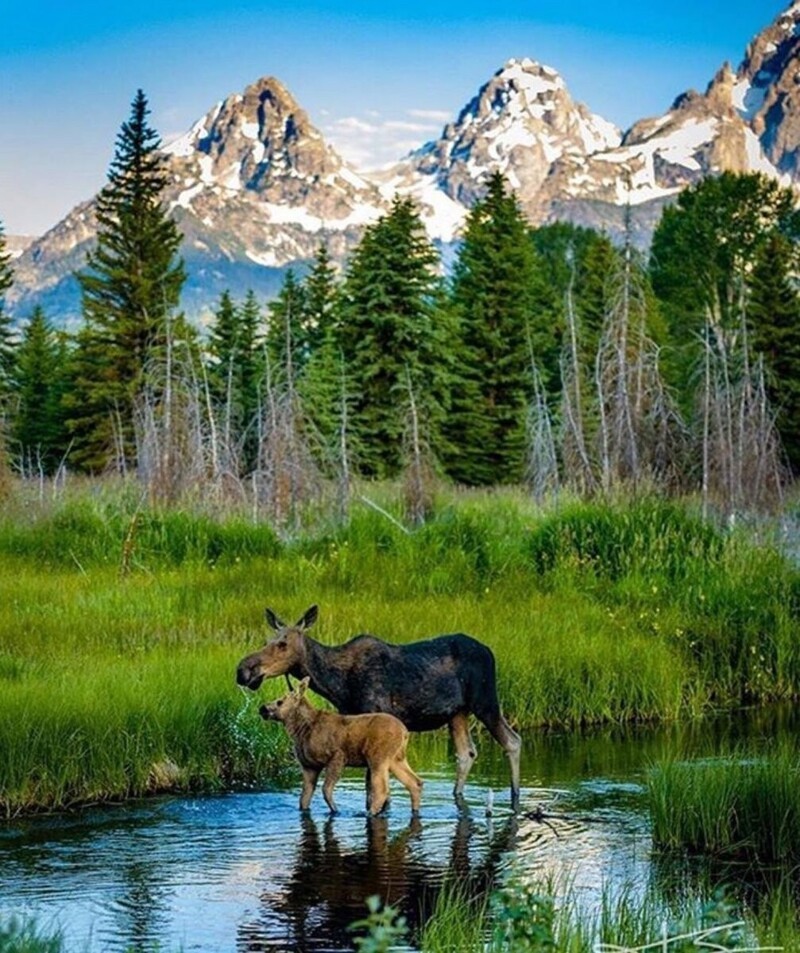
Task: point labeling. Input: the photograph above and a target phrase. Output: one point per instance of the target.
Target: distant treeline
(547, 354)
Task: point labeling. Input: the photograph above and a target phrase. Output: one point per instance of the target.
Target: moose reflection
(330, 882)
(428, 684)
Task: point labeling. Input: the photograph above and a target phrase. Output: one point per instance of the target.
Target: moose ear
(273, 621)
(309, 618)
(302, 686)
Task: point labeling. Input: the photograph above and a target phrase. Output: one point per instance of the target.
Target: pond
(247, 872)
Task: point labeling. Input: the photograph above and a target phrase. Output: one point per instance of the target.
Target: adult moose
(439, 681)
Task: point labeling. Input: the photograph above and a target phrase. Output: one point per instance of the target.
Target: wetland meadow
(649, 658)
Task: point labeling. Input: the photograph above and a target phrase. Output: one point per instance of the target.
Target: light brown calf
(326, 741)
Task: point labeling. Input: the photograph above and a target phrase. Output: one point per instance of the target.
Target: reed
(741, 806)
(538, 916)
(24, 936)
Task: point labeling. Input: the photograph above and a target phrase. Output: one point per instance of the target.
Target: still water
(247, 872)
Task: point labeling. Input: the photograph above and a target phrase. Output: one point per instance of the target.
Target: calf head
(283, 708)
(282, 653)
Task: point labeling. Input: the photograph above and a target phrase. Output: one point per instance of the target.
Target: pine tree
(235, 369)
(394, 330)
(503, 318)
(130, 288)
(323, 385)
(286, 340)
(39, 433)
(321, 299)
(7, 337)
(774, 313)
(702, 258)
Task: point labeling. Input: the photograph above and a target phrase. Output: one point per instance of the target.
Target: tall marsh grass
(121, 626)
(543, 916)
(742, 806)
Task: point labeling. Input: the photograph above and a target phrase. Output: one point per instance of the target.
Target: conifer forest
(543, 356)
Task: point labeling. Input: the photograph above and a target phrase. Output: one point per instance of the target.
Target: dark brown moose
(439, 681)
(326, 741)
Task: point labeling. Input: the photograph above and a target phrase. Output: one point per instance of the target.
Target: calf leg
(380, 788)
(465, 751)
(310, 777)
(401, 769)
(333, 771)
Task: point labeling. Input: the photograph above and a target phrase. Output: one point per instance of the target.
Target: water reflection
(331, 878)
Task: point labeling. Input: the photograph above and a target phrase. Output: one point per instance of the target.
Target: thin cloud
(379, 142)
(435, 115)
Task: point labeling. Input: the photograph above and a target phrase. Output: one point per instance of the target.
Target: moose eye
(279, 702)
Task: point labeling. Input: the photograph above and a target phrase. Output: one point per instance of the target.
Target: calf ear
(302, 686)
(273, 621)
(309, 618)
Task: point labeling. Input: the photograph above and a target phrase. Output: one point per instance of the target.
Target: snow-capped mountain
(566, 163)
(255, 188)
(520, 123)
(255, 179)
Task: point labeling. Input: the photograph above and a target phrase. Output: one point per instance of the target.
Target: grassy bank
(120, 628)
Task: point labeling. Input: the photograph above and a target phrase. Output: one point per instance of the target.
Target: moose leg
(333, 771)
(310, 776)
(511, 743)
(465, 752)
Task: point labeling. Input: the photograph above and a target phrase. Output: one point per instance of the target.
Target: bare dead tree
(419, 474)
(542, 465)
(181, 451)
(578, 470)
(641, 433)
(287, 477)
(742, 457)
(6, 476)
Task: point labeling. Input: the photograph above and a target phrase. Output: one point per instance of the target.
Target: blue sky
(376, 82)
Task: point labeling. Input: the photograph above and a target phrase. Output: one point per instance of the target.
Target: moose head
(282, 653)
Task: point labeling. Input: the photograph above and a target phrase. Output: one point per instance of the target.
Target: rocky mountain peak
(255, 139)
(767, 90)
(520, 123)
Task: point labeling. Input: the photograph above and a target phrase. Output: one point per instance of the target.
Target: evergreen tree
(394, 330)
(235, 367)
(576, 263)
(323, 384)
(7, 338)
(774, 313)
(39, 426)
(503, 317)
(323, 388)
(703, 257)
(130, 287)
(287, 341)
(321, 301)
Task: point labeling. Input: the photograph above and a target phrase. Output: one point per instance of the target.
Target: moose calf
(325, 740)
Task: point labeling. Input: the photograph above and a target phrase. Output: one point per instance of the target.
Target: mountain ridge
(255, 187)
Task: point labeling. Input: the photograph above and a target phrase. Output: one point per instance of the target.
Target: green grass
(24, 936)
(596, 613)
(541, 916)
(742, 806)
